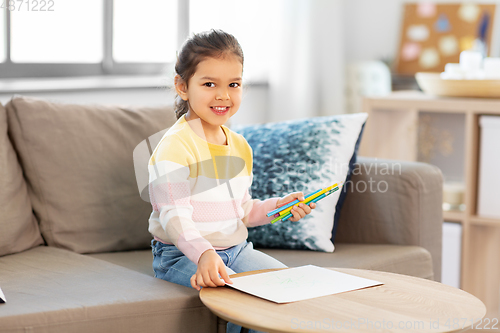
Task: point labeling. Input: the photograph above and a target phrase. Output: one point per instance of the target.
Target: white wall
(371, 29)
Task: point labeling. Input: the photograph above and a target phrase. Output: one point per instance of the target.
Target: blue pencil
(279, 209)
(314, 200)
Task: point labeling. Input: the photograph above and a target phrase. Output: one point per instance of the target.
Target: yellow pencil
(312, 197)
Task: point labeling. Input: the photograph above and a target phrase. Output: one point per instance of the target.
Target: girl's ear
(180, 87)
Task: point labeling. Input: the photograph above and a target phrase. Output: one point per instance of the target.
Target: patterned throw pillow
(302, 155)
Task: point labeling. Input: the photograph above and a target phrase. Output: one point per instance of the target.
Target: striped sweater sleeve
(256, 210)
(170, 196)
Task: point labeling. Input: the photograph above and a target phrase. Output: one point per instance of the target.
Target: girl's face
(214, 91)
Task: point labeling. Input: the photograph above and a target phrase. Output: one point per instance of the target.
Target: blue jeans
(170, 264)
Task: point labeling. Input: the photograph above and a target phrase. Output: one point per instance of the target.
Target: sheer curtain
(306, 72)
(295, 45)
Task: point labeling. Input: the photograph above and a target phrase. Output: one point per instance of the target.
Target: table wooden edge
(352, 271)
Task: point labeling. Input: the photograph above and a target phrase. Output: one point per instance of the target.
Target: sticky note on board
(466, 42)
(2, 297)
(429, 58)
(410, 51)
(442, 24)
(448, 45)
(469, 12)
(417, 32)
(426, 9)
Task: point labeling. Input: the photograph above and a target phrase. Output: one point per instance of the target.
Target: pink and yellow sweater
(199, 191)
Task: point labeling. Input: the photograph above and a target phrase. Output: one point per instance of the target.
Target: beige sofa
(75, 252)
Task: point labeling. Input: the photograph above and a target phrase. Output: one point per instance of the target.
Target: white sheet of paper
(299, 283)
(2, 297)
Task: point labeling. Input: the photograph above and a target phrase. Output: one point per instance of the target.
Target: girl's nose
(222, 94)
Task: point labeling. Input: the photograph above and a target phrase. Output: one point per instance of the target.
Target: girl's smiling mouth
(220, 110)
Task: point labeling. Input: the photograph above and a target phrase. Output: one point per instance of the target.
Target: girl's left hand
(299, 211)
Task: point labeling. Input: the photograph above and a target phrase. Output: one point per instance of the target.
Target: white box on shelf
(451, 254)
(489, 167)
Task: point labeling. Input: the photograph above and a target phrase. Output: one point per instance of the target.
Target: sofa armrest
(394, 202)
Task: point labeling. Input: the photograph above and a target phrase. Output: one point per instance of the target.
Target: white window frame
(108, 66)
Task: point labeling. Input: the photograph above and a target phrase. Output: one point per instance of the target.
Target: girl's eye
(234, 85)
(210, 84)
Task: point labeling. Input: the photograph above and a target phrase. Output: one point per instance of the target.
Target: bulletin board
(433, 34)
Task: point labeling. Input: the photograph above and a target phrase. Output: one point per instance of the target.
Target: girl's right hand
(210, 265)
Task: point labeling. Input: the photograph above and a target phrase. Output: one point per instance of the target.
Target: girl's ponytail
(213, 44)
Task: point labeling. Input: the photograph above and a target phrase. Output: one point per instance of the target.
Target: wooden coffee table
(402, 303)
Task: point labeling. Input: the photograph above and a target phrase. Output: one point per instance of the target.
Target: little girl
(200, 174)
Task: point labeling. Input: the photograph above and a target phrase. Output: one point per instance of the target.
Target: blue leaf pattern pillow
(302, 155)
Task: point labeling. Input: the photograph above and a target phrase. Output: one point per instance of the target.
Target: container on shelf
(433, 84)
(453, 196)
(489, 167)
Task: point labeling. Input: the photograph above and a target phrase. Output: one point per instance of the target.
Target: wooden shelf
(453, 216)
(392, 132)
(486, 221)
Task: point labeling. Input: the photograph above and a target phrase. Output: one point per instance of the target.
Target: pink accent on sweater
(259, 210)
(163, 194)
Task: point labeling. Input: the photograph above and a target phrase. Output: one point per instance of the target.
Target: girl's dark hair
(213, 44)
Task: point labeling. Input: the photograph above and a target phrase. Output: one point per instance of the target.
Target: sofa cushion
(55, 290)
(78, 162)
(302, 155)
(408, 260)
(139, 261)
(19, 229)
(401, 259)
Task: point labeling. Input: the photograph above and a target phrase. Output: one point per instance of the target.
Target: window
(2, 36)
(103, 37)
(89, 37)
(71, 33)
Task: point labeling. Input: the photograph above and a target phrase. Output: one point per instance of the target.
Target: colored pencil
(287, 210)
(315, 200)
(309, 199)
(290, 203)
